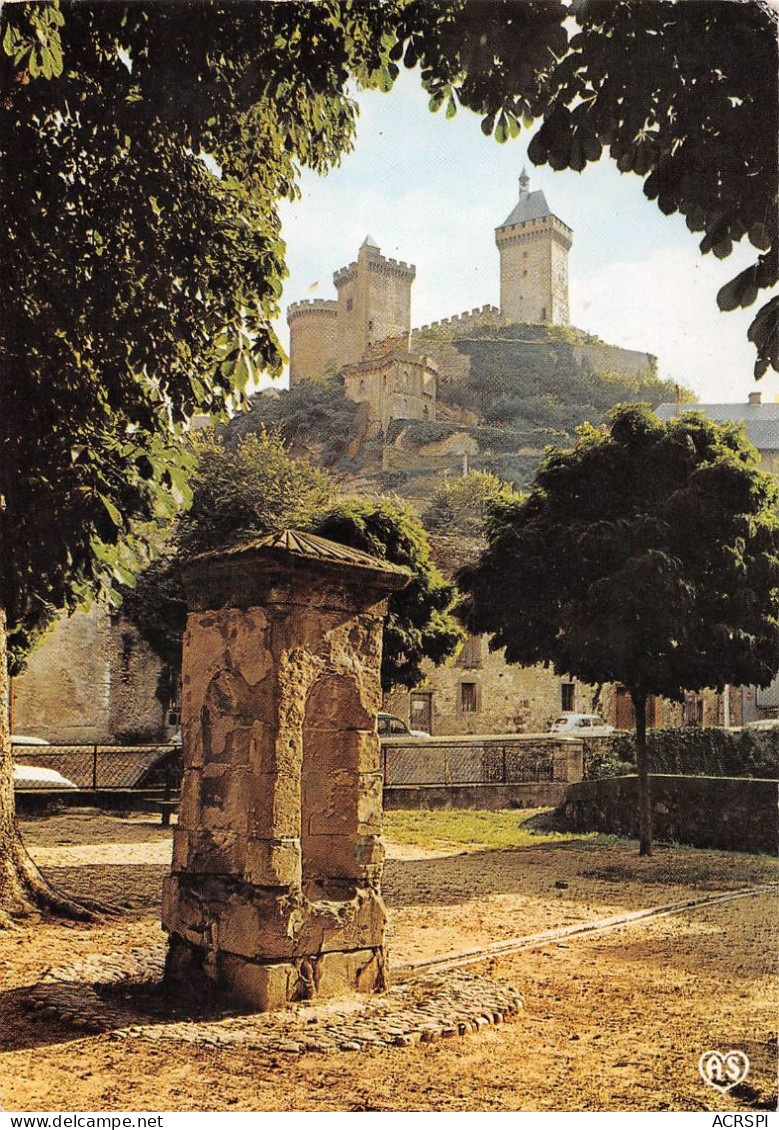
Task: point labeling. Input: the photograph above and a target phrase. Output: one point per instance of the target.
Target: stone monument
(274, 890)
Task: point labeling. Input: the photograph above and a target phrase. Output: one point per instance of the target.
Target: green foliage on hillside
(528, 381)
(253, 487)
(313, 414)
(463, 506)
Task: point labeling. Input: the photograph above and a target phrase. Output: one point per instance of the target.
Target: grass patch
(506, 828)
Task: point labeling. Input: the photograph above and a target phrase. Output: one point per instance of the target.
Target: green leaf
(112, 511)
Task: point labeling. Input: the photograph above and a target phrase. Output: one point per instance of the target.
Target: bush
(691, 751)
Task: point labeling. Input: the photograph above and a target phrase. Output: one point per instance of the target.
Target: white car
(23, 739)
(582, 725)
(390, 726)
(36, 777)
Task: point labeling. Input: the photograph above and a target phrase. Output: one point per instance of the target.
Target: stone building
(393, 384)
(313, 338)
(374, 302)
(533, 245)
(93, 680)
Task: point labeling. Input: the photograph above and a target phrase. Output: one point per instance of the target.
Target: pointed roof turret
(369, 241)
(531, 206)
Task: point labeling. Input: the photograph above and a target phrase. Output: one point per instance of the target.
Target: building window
(349, 305)
(468, 698)
(524, 273)
(543, 313)
(567, 696)
(471, 653)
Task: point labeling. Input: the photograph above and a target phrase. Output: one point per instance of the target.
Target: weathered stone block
(262, 987)
(273, 863)
(277, 855)
(189, 803)
(357, 923)
(360, 970)
(180, 856)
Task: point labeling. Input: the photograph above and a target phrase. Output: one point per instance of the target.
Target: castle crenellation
(313, 305)
(467, 317)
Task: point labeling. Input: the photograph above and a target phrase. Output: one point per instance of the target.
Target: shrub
(691, 751)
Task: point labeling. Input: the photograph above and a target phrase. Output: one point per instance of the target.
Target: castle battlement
(318, 306)
(479, 315)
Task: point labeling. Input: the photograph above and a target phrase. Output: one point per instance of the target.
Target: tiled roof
(761, 420)
(533, 206)
(310, 546)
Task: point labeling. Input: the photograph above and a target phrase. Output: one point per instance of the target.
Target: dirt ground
(613, 1021)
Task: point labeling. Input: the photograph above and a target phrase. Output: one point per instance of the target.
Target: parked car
(36, 777)
(23, 739)
(390, 726)
(581, 725)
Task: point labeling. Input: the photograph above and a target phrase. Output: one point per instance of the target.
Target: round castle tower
(533, 246)
(313, 339)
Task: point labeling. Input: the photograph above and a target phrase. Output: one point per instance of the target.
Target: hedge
(692, 751)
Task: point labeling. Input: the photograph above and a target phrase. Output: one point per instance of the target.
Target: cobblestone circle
(116, 993)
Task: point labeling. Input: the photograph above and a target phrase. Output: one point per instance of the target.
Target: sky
(431, 191)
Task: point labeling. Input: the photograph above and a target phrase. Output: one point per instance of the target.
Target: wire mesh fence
(102, 766)
(468, 763)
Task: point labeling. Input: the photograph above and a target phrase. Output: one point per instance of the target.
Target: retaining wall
(734, 813)
(539, 794)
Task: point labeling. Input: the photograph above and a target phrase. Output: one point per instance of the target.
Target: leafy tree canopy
(254, 487)
(646, 555)
(419, 623)
(144, 150)
(683, 94)
(462, 506)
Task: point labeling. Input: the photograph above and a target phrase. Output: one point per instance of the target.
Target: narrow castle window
(349, 304)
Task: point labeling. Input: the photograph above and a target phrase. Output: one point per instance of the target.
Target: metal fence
(105, 766)
(467, 763)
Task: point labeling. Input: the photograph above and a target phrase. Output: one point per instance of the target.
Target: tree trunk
(23, 890)
(642, 767)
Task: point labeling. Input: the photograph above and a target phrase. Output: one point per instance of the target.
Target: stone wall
(732, 813)
(92, 679)
(313, 339)
(489, 798)
(612, 359)
(64, 693)
(534, 271)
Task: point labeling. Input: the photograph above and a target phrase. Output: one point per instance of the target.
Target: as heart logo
(723, 1071)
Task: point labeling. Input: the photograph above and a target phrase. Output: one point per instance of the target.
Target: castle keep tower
(313, 339)
(374, 302)
(533, 246)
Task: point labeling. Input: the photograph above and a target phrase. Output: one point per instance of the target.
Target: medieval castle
(365, 334)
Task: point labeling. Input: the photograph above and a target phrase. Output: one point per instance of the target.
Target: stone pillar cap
(304, 548)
